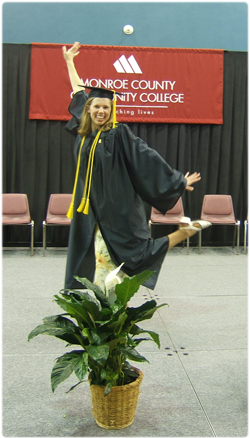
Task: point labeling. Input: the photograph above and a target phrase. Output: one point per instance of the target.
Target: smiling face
(99, 110)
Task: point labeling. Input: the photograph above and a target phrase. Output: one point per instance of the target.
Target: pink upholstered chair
(246, 223)
(15, 211)
(56, 213)
(171, 217)
(218, 209)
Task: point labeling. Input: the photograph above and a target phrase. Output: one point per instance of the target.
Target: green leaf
(115, 324)
(108, 388)
(154, 336)
(145, 311)
(121, 320)
(99, 336)
(91, 304)
(65, 365)
(137, 330)
(144, 276)
(92, 309)
(58, 326)
(114, 342)
(75, 310)
(132, 354)
(84, 296)
(130, 285)
(109, 375)
(81, 367)
(74, 386)
(126, 290)
(99, 353)
(96, 289)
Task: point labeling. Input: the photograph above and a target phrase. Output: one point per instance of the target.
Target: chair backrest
(218, 209)
(172, 216)
(15, 209)
(57, 208)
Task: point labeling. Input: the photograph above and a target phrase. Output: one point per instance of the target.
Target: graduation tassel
(81, 206)
(84, 205)
(86, 208)
(70, 211)
(71, 207)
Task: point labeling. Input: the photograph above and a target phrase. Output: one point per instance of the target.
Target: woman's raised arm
(69, 56)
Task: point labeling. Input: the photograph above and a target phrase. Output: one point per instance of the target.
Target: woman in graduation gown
(123, 176)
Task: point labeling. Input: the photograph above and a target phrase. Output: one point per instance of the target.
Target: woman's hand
(192, 179)
(70, 54)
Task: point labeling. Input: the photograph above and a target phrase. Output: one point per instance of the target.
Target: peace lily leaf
(150, 313)
(132, 354)
(137, 330)
(130, 285)
(96, 289)
(144, 276)
(108, 389)
(92, 309)
(131, 342)
(99, 353)
(86, 333)
(58, 326)
(154, 336)
(118, 308)
(85, 296)
(65, 365)
(126, 290)
(139, 340)
(121, 320)
(109, 375)
(98, 337)
(116, 323)
(114, 342)
(143, 312)
(81, 367)
(76, 311)
(74, 386)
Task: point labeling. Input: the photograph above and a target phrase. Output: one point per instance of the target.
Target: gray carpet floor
(194, 385)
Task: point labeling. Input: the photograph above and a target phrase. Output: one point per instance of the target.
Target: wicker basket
(116, 410)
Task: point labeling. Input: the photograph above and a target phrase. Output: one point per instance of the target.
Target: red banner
(160, 85)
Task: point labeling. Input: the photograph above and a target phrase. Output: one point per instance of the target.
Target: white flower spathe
(112, 279)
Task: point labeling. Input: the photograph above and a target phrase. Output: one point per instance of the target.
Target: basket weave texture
(116, 410)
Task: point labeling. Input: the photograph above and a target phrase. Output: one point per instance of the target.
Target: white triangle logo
(130, 65)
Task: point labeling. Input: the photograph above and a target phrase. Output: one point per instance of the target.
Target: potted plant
(106, 333)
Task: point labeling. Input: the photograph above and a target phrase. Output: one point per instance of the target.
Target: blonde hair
(86, 122)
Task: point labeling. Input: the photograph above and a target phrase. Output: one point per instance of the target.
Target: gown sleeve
(76, 107)
(152, 177)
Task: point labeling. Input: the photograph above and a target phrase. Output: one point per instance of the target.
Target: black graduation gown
(127, 173)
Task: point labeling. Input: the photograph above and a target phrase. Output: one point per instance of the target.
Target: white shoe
(190, 224)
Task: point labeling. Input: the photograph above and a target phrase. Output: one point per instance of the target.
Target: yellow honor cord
(84, 205)
(71, 207)
(114, 109)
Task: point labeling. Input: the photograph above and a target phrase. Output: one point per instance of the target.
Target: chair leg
(32, 238)
(245, 237)
(238, 237)
(200, 242)
(188, 246)
(234, 234)
(44, 238)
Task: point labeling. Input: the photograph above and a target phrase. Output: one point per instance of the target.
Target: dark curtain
(37, 155)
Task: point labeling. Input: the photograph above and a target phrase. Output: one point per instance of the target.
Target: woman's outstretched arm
(69, 56)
